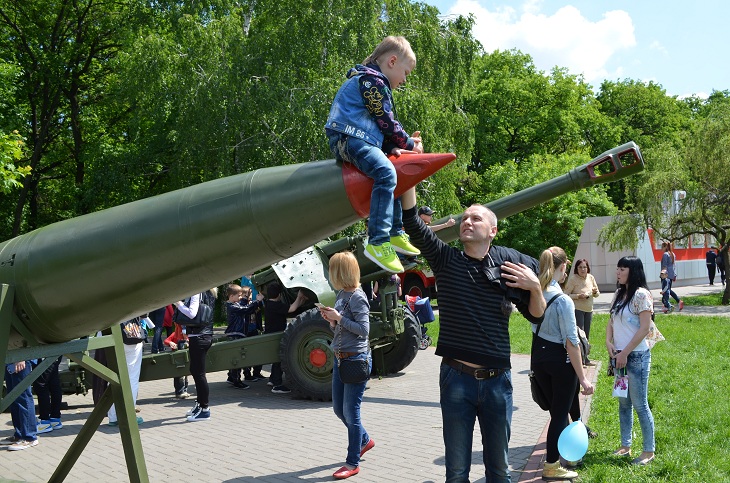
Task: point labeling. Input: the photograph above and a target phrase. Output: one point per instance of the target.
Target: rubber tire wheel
(308, 331)
(399, 355)
(413, 286)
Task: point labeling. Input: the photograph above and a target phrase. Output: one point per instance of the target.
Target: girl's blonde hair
(391, 44)
(344, 271)
(550, 261)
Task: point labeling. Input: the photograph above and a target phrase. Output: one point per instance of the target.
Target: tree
(521, 111)
(61, 48)
(699, 168)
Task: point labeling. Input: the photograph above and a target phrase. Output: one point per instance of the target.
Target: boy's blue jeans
(665, 299)
(22, 410)
(638, 366)
(386, 213)
(463, 400)
(346, 401)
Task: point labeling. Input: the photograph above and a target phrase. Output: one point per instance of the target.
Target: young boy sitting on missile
(362, 128)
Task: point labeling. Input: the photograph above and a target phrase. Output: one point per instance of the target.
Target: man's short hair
(273, 290)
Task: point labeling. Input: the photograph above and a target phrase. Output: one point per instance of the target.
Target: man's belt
(479, 373)
(345, 355)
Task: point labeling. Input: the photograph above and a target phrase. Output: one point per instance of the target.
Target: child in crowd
(362, 128)
(666, 287)
(275, 313)
(179, 340)
(238, 312)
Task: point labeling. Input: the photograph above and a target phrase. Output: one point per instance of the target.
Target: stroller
(421, 309)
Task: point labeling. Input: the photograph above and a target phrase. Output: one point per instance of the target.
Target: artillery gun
(395, 332)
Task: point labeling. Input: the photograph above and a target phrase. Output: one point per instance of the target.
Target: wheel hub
(318, 357)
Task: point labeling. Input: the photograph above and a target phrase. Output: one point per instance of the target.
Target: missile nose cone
(411, 168)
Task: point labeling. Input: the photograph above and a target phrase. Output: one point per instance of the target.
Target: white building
(690, 255)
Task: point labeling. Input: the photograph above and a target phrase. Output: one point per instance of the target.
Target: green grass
(690, 407)
(704, 300)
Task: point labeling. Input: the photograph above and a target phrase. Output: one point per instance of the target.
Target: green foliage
(11, 151)
(522, 111)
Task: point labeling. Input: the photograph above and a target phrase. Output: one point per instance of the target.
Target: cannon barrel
(75, 277)
(614, 164)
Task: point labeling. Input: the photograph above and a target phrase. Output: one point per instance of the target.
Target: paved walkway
(255, 436)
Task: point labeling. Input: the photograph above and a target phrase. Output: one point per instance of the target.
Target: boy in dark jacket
(275, 313)
(238, 313)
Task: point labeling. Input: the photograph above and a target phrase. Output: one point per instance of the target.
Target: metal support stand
(119, 391)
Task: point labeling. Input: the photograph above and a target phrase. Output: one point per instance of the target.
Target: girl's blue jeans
(346, 402)
(386, 213)
(638, 367)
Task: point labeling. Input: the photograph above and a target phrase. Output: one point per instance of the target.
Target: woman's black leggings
(558, 381)
(199, 346)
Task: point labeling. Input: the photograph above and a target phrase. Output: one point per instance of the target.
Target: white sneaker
(22, 444)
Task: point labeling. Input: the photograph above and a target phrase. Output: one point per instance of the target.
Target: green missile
(75, 277)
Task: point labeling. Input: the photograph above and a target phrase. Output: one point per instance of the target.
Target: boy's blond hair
(233, 289)
(344, 271)
(391, 44)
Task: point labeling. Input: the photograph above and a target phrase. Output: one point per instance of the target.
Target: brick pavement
(257, 436)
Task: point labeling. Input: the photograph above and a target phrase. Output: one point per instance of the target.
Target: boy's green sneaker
(384, 256)
(402, 244)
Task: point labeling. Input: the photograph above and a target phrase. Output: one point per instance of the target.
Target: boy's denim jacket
(363, 108)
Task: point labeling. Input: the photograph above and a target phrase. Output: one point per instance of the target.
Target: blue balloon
(573, 441)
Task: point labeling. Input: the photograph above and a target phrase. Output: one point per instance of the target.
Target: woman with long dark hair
(626, 332)
(556, 358)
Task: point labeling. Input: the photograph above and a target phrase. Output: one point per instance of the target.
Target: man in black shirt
(477, 287)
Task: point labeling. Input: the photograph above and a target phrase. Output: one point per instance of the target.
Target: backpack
(204, 315)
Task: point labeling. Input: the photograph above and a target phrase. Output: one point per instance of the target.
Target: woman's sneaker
(195, 410)
(553, 471)
(56, 423)
(202, 415)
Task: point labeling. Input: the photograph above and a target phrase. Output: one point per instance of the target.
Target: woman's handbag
(654, 335)
(132, 332)
(354, 371)
(537, 395)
